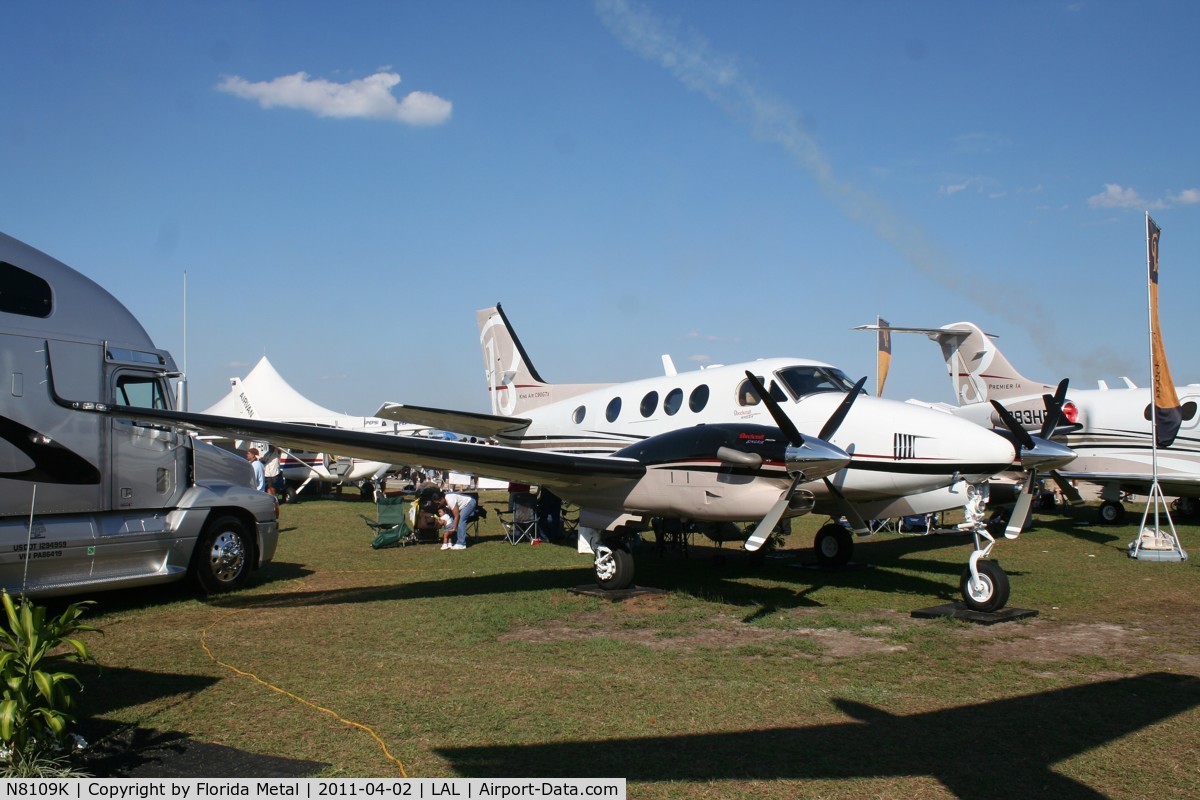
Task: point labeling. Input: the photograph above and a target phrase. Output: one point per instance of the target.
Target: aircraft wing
(503, 463)
(465, 422)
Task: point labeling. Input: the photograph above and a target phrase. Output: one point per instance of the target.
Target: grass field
(743, 679)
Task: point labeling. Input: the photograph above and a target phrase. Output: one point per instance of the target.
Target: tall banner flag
(1168, 415)
(885, 354)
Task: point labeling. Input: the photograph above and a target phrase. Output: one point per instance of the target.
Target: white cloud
(1117, 196)
(710, 338)
(367, 98)
(1187, 197)
(954, 188)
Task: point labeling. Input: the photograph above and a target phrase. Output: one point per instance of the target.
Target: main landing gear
(834, 545)
(1112, 512)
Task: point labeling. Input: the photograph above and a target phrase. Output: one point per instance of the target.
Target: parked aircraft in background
(718, 444)
(903, 459)
(1112, 429)
(264, 394)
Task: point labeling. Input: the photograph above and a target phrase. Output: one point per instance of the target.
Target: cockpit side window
(746, 396)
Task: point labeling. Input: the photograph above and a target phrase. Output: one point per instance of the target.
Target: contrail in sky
(687, 56)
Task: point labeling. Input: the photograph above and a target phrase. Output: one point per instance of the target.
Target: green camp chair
(391, 524)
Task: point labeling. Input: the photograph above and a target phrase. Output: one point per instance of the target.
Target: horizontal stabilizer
(467, 423)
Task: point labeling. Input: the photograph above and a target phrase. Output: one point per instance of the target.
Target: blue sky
(345, 184)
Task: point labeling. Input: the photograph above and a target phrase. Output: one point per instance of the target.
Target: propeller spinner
(808, 458)
(1035, 453)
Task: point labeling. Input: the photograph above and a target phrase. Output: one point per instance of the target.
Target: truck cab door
(148, 463)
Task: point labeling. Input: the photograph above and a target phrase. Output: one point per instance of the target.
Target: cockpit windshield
(811, 380)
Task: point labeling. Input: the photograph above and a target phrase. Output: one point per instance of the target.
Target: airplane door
(338, 466)
(148, 463)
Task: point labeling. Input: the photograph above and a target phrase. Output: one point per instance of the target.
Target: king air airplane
(899, 459)
(1109, 429)
(717, 445)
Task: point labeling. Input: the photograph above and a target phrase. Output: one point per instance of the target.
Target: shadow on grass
(1081, 523)
(989, 751)
(125, 750)
(723, 575)
(884, 565)
(466, 586)
(124, 688)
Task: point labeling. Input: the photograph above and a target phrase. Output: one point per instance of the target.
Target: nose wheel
(986, 591)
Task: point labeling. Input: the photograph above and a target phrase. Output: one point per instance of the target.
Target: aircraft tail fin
(514, 385)
(978, 370)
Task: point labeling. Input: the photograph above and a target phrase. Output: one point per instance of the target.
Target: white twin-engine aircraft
(722, 444)
(693, 432)
(1110, 428)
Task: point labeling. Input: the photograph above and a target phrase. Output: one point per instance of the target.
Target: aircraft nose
(1046, 454)
(816, 458)
(981, 452)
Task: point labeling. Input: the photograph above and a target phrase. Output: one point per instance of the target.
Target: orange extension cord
(351, 723)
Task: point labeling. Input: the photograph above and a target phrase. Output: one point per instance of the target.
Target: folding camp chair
(391, 524)
(520, 520)
(570, 520)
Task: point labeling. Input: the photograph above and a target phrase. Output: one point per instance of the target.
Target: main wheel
(223, 555)
(1112, 512)
(992, 594)
(834, 546)
(614, 566)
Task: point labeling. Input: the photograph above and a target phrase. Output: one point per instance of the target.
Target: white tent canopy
(264, 394)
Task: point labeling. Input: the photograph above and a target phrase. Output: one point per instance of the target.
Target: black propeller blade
(1054, 409)
(835, 419)
(1020, 434)
(1054, 405)
(777, 413)
(761, 531)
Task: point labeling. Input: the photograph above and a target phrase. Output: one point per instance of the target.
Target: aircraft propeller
(789, 429)
(1035, 453)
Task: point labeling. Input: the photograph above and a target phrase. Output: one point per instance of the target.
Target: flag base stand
(1157, 543)
(1144, 553)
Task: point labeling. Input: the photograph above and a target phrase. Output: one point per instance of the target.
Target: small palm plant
(35, 699)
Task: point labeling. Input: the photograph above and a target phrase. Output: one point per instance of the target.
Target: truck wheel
(223, 555)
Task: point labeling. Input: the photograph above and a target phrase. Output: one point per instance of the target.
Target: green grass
(745, 679)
